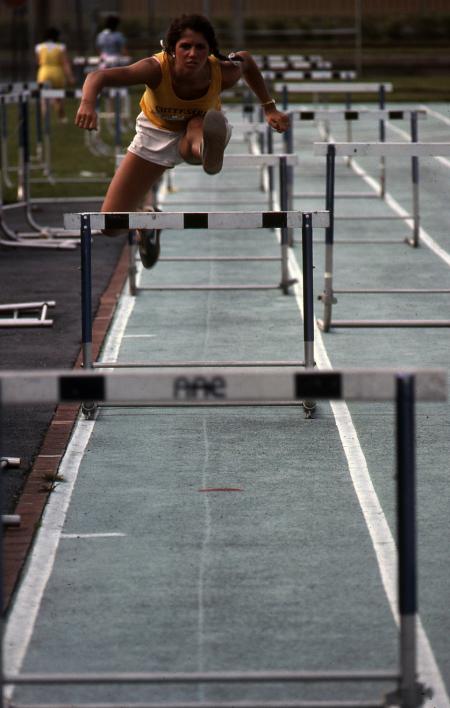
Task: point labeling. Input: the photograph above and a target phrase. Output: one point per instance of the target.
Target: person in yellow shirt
(54, 69)
(181, 117)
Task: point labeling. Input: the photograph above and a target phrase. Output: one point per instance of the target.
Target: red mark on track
(221, 489)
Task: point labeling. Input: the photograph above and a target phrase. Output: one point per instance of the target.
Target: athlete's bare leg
(128, 188)
(189, 146)
(205, 140)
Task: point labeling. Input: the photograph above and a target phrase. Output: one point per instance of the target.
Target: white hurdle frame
(349, 116)
(326, 88)
(185, 386)
(412, 150)
(17, 320)
(307, 221)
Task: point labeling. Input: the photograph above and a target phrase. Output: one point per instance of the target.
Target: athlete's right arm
(147, 71)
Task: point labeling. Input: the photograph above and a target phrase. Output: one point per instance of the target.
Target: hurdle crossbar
(261, 384)
(221, 220)
(410, 150)
(314, 75)
(357, 114)
(332, 87)
(394, 149)
(403, 387)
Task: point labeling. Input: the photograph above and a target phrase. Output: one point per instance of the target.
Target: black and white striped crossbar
(215, 385)
(339, 113)
(77, 93)
(333, 87)
(393, 149)
(314, 74)
(198, 220)
(18, 86)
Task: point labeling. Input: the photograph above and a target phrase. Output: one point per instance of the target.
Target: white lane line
(138, 336)
(443, 160)
(20, 626)
(24, 612)
(380, 533)
(436, 114)
(111, 534)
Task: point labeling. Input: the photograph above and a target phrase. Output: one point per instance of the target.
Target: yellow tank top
(50, 59)
(165, 110)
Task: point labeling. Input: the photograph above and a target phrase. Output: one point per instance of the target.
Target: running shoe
(216, 136)
(148, 245)
(149, 248)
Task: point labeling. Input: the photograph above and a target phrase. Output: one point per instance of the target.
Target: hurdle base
(310, 408)
(88, 409)
(412, 242)
(187, 288)
(383, 323)
(194, 364)
(414, 697)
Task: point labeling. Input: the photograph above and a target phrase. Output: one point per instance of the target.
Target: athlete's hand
(277, 120)
(86, 117)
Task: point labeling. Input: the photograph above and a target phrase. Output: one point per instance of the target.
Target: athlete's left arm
(247, 68)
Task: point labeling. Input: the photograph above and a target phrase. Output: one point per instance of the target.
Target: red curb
(17, 542)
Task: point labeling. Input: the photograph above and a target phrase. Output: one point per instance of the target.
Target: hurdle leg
(4, 143)
(132, 253)
(414, 241)
(308, 302)
(327, 297)
(38, 118)
(290, 177)
(382, 138)
(286, 282)
(349, 138)
(88, 407)
(410, 693)
(270, 175)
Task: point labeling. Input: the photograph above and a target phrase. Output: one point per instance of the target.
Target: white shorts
(155, 144)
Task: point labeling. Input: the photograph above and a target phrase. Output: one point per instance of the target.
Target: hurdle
(219, 387)
(271, 161)
(21, 239)
(211, 220)
(414, 151)
(349, 116)
(38, 164)
(46, 94)
(239, 161)
(17, 311)
(333, 87)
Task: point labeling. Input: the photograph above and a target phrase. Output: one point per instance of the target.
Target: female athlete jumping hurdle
(181, 118)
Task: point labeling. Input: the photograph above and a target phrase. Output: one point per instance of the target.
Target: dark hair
(51, 34)
(196, 23)
(112, 22)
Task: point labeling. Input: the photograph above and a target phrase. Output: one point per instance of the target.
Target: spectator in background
(110, 43)
(54, 69)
